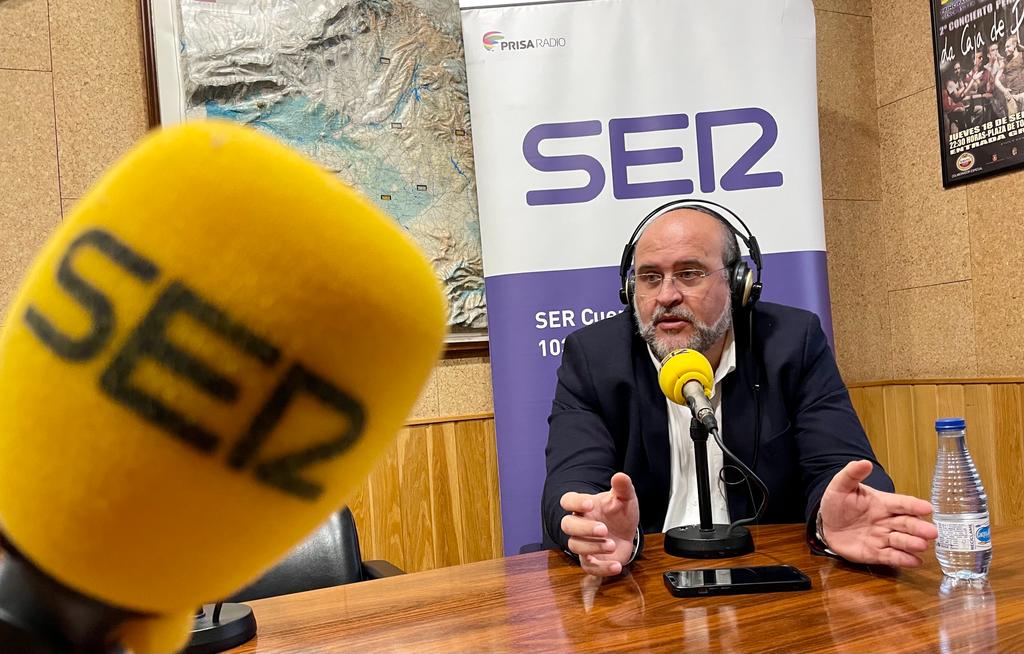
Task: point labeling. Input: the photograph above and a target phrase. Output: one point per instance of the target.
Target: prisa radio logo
(495, 40)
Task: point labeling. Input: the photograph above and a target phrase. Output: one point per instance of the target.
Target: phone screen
(724, 581)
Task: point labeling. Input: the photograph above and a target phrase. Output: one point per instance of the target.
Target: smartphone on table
(735, 581)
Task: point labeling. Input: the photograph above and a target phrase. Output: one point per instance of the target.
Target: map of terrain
(373, 90)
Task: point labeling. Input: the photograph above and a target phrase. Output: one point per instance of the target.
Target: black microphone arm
(706, 540)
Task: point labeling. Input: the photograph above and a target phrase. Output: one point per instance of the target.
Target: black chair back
(330, 557)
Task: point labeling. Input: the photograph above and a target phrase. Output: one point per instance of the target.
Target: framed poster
(979, 86)
(374, 92)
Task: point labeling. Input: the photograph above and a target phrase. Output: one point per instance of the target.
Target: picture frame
(977, 51)
(166, 104)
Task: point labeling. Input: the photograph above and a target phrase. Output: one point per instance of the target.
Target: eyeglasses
(650, 283)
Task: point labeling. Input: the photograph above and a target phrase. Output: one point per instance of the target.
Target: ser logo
(495, 40)
(150, 343)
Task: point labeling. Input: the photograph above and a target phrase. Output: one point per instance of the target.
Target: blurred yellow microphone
(206, 358)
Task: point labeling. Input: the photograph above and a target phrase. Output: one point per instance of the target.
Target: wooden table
(542, 602)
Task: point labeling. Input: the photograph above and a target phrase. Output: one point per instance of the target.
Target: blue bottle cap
(950, 424)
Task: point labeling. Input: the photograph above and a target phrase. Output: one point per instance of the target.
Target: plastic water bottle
(960, 506)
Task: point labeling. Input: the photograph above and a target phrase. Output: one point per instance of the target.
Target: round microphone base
(720, 542)
(218, 631)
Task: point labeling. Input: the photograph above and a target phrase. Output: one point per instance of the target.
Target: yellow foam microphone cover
(208, 355)
(680, 367)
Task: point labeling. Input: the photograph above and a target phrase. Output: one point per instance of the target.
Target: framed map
(373, 90)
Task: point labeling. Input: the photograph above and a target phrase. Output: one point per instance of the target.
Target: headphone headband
(753, 286)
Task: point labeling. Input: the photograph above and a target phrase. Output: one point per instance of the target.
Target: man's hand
(864, 525)
(601, 526)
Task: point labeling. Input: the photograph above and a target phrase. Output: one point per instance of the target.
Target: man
(954, 109)
(1010, 80)
(995, 59)
(977, 91)
(994, 66)
(617, 455)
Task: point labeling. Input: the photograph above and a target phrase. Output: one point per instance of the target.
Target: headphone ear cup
(741, 286)
(626, 292)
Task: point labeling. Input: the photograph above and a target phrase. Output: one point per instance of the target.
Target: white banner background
(596, 61)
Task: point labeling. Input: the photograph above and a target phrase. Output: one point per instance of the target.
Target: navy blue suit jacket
(609, 415)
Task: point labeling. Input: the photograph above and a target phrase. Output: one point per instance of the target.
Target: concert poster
(979, 75)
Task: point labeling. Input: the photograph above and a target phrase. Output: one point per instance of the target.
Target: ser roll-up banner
(587, 114)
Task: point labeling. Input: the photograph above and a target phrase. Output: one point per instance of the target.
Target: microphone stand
(706, 540)
(39, 615)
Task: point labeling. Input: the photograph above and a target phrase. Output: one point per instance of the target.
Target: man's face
(1010, 48)
(695, 315)
(956, 70)
(993, 53)
(978, 59)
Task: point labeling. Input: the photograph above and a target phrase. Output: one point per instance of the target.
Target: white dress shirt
(683, 508)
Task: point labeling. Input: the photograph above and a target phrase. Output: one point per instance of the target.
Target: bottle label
(964, 533)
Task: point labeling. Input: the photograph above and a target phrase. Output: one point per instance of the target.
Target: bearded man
(619, 455)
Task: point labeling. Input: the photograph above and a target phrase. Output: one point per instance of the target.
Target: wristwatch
(638, 543)
(819, 533)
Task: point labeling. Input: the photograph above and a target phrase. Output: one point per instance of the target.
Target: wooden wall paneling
(362, 512)
(857, 400)
(475, 492)
(490, 441)
(981, 442)
(901, 430)
(925, 398)
(444, 484)
(386, 523)
(902, 446)
(460, 517)
(870, 405)
(950, 401)
(414, 498)
(432, 501)
(1009, 448)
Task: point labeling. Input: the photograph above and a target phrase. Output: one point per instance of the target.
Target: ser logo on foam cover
(149, 341)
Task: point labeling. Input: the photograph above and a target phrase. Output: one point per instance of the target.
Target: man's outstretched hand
(601, 526)
(864, 525)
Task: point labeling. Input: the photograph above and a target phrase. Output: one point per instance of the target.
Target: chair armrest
(378, 569)
(532, 547)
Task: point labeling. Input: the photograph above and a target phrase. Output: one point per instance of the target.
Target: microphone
(204, 361)
(686, 378)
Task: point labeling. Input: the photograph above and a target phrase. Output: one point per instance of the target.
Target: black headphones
(744, 285)
(745, 289)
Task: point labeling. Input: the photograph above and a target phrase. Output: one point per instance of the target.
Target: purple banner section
(529, 316)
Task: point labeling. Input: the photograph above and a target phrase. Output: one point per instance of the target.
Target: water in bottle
(960, 506)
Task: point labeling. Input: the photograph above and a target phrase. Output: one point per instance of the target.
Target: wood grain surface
(541, 602)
